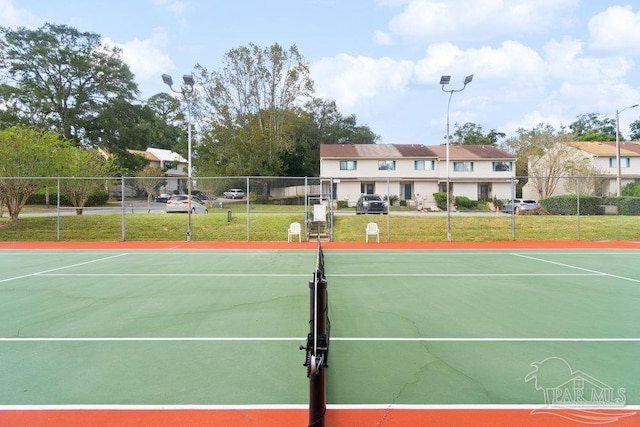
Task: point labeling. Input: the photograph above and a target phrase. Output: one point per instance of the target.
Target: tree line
(256, 115)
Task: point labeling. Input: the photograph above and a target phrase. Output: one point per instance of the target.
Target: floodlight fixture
(444, 80)
(188, 80)
(166, 78)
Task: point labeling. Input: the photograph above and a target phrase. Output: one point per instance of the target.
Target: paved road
(156, 207)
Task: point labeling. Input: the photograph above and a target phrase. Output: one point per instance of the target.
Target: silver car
(234, 193)
(180, 203)
(521, 205)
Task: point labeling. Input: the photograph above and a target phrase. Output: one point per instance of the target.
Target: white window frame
(427, 165)
(386, 165)
(348, 165)
(463, 166)
(625, 162)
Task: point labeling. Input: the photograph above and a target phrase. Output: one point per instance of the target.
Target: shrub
(97, 198)
(343, 204)
(626, 205)
(568, 205)
(441, 200)
(392, 199)
(465, 203)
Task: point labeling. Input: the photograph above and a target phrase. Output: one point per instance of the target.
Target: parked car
(163, 198)
(180, 203)
(371, 203)
(234, 193)
(520, 205)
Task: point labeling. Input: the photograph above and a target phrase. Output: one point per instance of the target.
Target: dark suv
(371, 203)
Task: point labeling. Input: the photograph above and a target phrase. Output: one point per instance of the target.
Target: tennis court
(194, 334)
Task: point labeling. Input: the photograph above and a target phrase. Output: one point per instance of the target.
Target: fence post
(122, 206)
(513, 217)
(578, 203)
(58, 210)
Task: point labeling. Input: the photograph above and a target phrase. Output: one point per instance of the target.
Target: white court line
(577, 268)
(369, 339)
(335, 406)
(459, 274)
(40, 273)
(177, 274)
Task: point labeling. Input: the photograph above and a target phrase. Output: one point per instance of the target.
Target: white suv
(519, 205)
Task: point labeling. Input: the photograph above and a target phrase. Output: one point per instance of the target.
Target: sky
(533, 61)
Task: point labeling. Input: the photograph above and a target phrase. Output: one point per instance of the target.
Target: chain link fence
(582, 208)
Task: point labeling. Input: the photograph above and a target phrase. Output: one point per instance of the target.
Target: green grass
(271, 225)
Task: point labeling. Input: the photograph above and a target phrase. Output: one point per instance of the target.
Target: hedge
(590, 205)
(98, 198)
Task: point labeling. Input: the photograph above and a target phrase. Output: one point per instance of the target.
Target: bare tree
(150, 179)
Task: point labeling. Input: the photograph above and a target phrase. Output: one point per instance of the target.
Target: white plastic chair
(294, 228)
(372, 229)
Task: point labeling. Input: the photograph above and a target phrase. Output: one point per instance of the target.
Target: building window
(463, 166)
(502, 166)
(348, 165)
(387, 165)
(423, 165)
(625, 162)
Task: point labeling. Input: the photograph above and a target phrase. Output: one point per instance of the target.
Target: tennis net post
(317, 347)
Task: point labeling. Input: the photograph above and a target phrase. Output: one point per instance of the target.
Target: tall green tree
(321, 123)
(473, 134)
(635, 131)
(245, 108)
(25, 155)
(63, 79)
(592, 127)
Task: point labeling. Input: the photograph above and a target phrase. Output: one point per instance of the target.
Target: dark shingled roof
(390, 151)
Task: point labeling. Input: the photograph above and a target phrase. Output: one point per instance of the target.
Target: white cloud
(478, 19)
(146, 58)
(382, 38)
(350, 80)
(175, 7)
(510, 60)
(12, 16)
(615, 29)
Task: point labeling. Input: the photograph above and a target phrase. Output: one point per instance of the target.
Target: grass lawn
(270, 223)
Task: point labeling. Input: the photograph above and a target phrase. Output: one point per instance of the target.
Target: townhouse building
(414, 172)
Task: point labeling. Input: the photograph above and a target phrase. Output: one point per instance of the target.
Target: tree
(247, 107)
(84, 169)
(25, 154)
(528, 147)
(546, 170)
(321, 123)
(635, 130)
(591, 127)
(473, 134)
(64, 78)
(150, 179)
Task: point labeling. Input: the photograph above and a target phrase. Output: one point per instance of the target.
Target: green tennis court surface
(217, 327)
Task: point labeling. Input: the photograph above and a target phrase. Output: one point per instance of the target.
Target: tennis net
(317, 348)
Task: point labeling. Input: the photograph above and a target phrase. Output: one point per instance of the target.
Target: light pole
(185, 90)
(444, 80)
(619, 174)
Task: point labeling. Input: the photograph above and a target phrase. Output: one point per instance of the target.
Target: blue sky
(542, 61)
